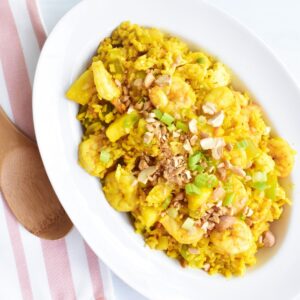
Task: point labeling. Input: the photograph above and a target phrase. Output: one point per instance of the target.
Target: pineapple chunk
(82, 89)
(121, 126)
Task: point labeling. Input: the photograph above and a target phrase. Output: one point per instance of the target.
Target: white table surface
(276, 22)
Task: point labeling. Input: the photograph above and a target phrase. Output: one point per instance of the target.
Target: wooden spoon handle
(10, 136)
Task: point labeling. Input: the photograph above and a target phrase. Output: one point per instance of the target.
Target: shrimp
(240, 196)
(106, 87)
(173, 98)
(218, 76)
(180, 234)
(264, 162)
(120, 188)
(283, 156)
(222, 96)
(234, 240)
(89, 155)
(238, 157)
(192, 72)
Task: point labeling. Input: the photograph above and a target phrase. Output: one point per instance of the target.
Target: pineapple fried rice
(176, 146)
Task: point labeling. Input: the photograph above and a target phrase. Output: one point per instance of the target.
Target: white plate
(111, 236)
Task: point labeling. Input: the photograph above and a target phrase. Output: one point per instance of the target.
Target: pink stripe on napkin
(17, 246)
(94, 269)
(58, 269)
(36, 22)
(15, 72)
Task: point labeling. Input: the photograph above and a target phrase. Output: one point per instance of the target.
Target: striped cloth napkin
(32, 268)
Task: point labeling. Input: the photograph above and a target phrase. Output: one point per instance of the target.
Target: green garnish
(228, 199)
(166, 202)
(261, 186)
(199, 168)
(192, 189)
(167, 119)
(188, 224)
(194, 159)
(243, 144)
(200, 60)
(158, 113)
(206, 180)
(182, 126)
(172, 127)
(104, 156)
(130, 119)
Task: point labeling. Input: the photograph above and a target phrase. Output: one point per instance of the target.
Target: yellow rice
(146, 102)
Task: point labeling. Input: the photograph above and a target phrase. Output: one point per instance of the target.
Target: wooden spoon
(26, 187)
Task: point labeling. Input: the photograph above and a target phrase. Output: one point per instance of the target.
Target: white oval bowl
(109, 233)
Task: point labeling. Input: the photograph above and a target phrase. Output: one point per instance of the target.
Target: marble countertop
(276, 22)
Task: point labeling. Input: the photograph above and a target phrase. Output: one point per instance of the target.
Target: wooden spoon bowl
(26, 187)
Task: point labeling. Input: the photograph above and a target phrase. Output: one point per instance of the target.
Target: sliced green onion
(228, 199)
(200, 60)
(199, 168)
(130, 119)
(182, 126)
(104, 156)
(188, 224)
(206, 180)
(259, 177)
(171, 127)
(172, 212)
(166, 203)
(212, 181)
(261, 186)
(167, 119)
(158, 113)
(194, 159)
(201, 180)
(192, 189)
(243, 144)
